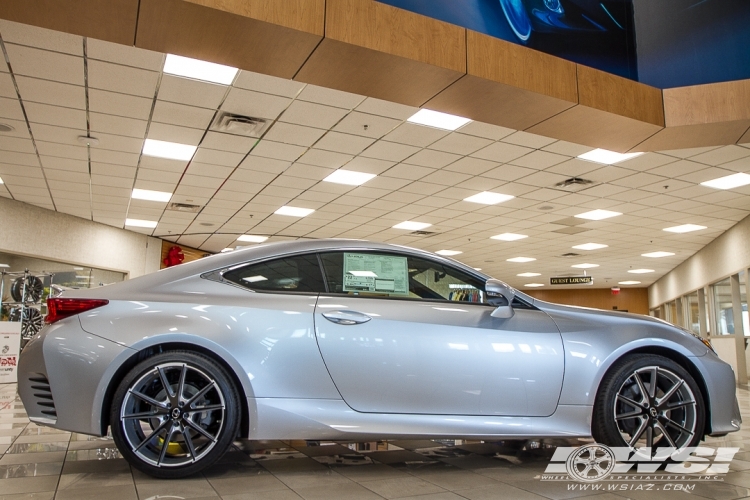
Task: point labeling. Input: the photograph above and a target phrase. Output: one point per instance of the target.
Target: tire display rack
(27, 294)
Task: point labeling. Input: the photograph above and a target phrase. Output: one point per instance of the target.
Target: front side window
(398, 276)
(299, 273)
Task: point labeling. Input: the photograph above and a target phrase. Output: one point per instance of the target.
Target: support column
(679, 312)
(702, 312)
(739, 333)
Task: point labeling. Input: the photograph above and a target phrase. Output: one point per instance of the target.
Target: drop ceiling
(59, 87)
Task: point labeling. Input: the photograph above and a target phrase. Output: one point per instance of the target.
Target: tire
(151, 426)
(627, 412)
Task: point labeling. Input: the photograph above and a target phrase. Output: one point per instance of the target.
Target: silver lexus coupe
(352, 340)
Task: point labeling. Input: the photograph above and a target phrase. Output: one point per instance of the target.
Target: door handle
(346, 317)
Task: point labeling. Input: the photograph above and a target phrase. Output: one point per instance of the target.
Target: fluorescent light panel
(148, 195)
(607, 157)
(349, 177)
(685, 228)
(252, 238)
(508, 237)
(294, 211)
(629, 283)
(437, 119)
(585, 266)
(140, 223)
(640, 271)
(411, 225)
(1, 180)
(199, 70)
(598, 215)
(590, 246)
(528, 275)
(489, 198)
(521, 259)
(729, 181)
(448, 253)
(657, 255)
(169, 150)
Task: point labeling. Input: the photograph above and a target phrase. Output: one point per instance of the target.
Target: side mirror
(496, 288)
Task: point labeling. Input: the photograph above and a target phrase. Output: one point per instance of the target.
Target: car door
(404, 334)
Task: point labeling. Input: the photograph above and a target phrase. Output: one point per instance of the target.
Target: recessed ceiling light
(584, 266)
(489, 198)
(412, 226)
(147, 194)
(729, 181)
(169, 150)
(4, 265)
(4, 127)
(534, 285)
(629, 283)
(225, 250)
(508, 237)
(294, 211)
(528, 275)
(252, 238)
(590, 246)
(598, 215)
(438, 120)
(200, 70)
(448, 252)
(607, 157)
(656, 255)
(685, 228)
(521, 259)
(140, 223)
(641, 271)
(349, 177)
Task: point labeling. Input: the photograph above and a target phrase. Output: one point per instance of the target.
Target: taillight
(60, 308)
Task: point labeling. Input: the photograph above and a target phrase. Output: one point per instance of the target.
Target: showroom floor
(43, 463)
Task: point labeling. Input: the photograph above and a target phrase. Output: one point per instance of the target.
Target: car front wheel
(175, 414)
(648, 401)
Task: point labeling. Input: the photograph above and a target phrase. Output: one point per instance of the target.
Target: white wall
(726, 255)
(33, 231)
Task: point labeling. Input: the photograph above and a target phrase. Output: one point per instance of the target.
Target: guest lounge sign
(572, 280)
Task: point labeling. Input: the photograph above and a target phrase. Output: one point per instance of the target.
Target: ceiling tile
(206, 170)
(485, 130)
(312, 115)
(24, 34)
(55, 115)
(191, 92)
(430, 158)
(539, 160)
(268, 84)
(508, 172)
(62, 150)
(366, 125)
(20, 128)
(119, 143)
(278, 150)
(410, 172)
(255, 104)
(214, 157)
(308, 171)
(387, 109)
(10, 108)
(567, 148)
(107, 169)
(573, 167)
(260, 164)
(343, 143)
(53, 162)
(461, 144)
(721, 155)
(677, 168)
(294, 134)
(704, 175)
(61, 135)
(118, 125)
(389, 151)
(7, 89)
(228, 142)
(369, 165)
(48, 92)
(38, 63)
(322, 158)
(330, 97)
(123, 79)
(501, 152)
(528, 140)
(112, 103)
(687, 153)
(415, 135)
(179, 114)
(175, 133)
(125, 55)
(115, 157)
(163, 164)
(16, 144)
(445, 178)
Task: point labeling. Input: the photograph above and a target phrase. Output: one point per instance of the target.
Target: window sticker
(369, 273)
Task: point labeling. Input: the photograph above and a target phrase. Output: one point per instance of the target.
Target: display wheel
(30, 318)
(31, 293)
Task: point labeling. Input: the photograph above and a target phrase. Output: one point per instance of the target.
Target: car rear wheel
(175, 414)
(648, 401)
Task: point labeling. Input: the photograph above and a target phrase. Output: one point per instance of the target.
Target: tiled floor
(43, 463)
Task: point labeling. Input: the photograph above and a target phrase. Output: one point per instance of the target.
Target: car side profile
(354, 340)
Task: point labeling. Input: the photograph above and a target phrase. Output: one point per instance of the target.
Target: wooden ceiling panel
(696, 136)
(110, 20)
(301, 15)
(596, 128)
(711, 103)
(224, 32)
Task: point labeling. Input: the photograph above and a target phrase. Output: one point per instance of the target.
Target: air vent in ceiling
(184, 207)
(423, 233)
(248, 126)
(570, 254)
(574, 184)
